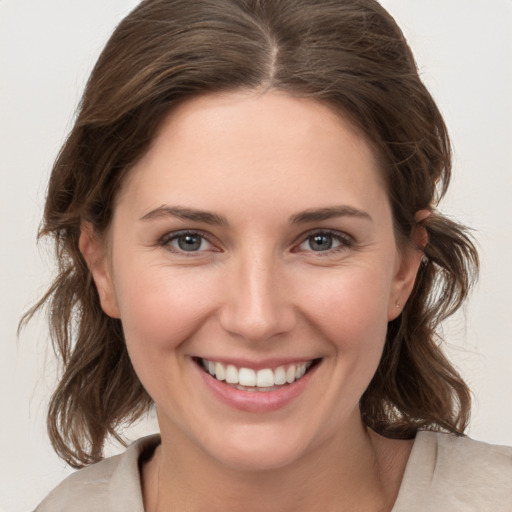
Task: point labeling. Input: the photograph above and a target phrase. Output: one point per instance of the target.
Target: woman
(247, 235)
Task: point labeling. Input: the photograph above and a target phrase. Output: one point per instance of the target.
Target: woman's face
(253, 242)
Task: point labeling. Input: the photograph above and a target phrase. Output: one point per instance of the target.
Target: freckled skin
(256, 288)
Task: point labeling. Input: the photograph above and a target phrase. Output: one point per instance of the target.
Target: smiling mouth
(248, 379)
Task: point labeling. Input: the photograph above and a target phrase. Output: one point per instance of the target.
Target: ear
(409, 261)
(95, 252)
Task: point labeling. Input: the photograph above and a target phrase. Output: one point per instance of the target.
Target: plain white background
(47, 49)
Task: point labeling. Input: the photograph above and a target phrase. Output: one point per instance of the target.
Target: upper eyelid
(342, 235)
(172, 235)
(346, 241)
(181, 232)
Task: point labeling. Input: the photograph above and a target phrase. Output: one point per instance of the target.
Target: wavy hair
(348, 54)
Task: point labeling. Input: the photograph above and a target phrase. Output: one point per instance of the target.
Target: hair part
(348, 54)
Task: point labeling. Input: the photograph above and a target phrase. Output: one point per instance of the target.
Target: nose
(258, 304)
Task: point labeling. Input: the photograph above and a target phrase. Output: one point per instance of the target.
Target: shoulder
(468, 461)
(465, 449)
(110, 485)
(457, 473)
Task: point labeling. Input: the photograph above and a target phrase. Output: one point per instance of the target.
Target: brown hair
(349, 54)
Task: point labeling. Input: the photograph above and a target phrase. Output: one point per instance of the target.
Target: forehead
(240, 145)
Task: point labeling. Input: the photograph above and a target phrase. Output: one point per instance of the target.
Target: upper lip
(257, 365)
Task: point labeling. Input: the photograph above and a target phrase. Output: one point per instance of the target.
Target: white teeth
(220, 373)
(290, 374)
(231, 374)
(280, 376)
(265, 378)
(248, 379)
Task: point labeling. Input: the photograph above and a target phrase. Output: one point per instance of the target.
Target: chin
(258, 449)
(256, 460)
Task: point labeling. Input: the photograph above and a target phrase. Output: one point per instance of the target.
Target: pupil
(189, 242)
(320, 242)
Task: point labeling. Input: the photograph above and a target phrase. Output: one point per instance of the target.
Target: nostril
(257, 306)
(257, 325)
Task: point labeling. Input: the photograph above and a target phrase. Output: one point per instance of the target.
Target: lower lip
(256, 401)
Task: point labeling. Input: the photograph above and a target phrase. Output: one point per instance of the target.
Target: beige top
(444, 474)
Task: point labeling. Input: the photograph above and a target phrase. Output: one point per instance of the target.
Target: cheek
(349, 305)
(160, 308)
(356, 325)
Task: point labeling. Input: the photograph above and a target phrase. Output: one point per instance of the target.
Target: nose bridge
(259, 305)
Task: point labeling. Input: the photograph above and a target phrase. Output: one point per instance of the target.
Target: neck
(355, 471)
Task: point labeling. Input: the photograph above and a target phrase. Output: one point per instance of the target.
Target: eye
(324, 241)
(186, 241)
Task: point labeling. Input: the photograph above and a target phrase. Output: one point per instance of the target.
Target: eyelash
(345, 242)
(166, 240)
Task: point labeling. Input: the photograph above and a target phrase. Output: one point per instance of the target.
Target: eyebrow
(214, 219)
(316, 215)
(187, 214)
